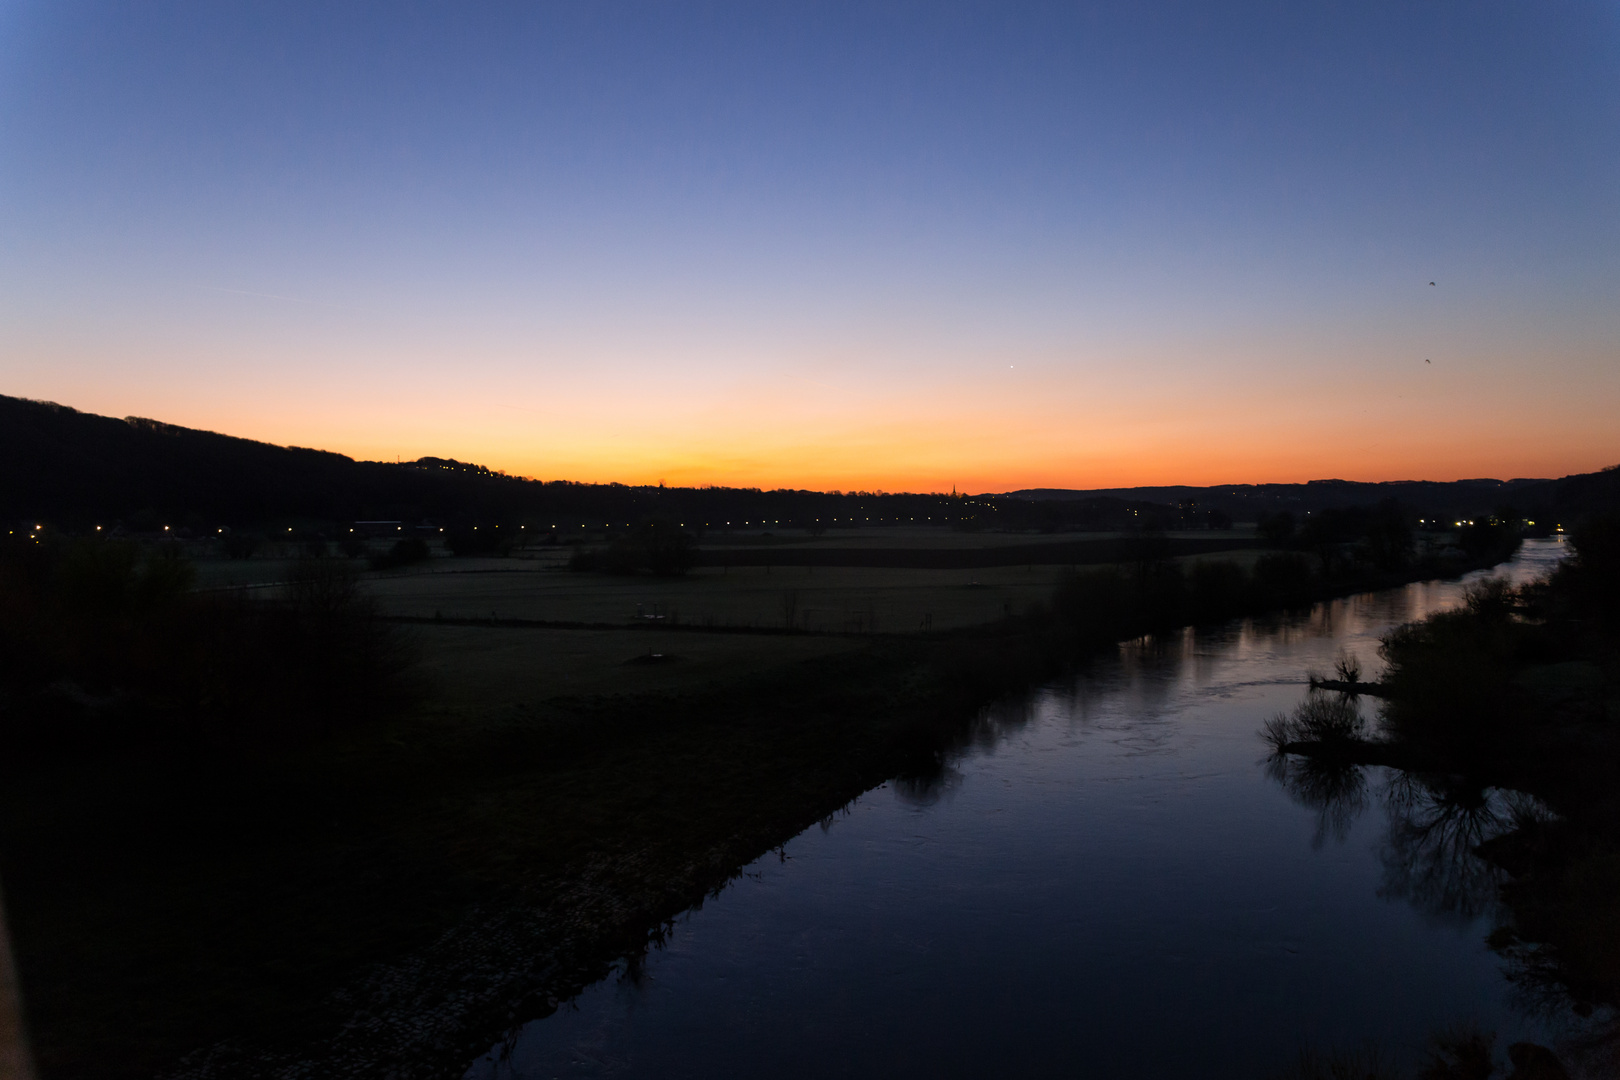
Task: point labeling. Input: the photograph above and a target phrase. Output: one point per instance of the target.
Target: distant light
(166, 529)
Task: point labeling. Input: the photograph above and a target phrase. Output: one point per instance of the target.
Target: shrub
(1281, 579)
(1276, 529)
(1218, 590)
(412, 549)
(1592, 578)
(1448, 675)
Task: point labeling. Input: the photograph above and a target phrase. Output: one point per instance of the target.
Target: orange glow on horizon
(977, 453)
(1168, 415)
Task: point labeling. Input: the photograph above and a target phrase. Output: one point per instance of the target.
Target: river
(1107, 883)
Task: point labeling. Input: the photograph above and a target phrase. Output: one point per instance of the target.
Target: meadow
(500, 632)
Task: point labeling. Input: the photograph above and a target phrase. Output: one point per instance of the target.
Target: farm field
(534, 585)
(483, 669)
(820, 599)
(713, 627)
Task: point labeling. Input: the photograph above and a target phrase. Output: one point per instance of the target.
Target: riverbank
(398, 894)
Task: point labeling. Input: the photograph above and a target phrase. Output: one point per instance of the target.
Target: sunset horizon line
(496, 467)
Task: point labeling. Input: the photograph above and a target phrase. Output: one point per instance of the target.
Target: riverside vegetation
(1500, 728)
(237, 834)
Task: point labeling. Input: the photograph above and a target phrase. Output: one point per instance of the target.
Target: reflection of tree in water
(928, 789)
(1432, 854)
(1336, 790)
(1437, 823)
(1459, 849)
(930, 773)
(1331, 782)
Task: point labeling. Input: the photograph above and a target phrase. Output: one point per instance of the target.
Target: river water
(1108, 883)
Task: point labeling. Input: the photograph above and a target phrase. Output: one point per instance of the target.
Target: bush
(1218, 590)
(1319, 718)
(1592, 578)
(1388, 544)
(1448, 675)
(405, 552)
(1276, 529)
(1281, 579)
(1095, 605)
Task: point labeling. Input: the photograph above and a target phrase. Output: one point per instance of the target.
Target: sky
(860, 246)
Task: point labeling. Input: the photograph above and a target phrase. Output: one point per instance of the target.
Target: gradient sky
(879, 245)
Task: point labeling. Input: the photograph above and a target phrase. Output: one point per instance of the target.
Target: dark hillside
(75, 470)
(1573, 497)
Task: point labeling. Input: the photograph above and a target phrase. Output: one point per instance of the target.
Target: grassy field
(474, 668)
(707, 629)
(822, 599)
(533, 584)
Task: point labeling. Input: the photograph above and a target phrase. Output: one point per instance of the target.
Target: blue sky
(829, 245)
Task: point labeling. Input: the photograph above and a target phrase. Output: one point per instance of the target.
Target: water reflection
(929, 788)
(1335, 790)
(1437, 827)
(1461, 852)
